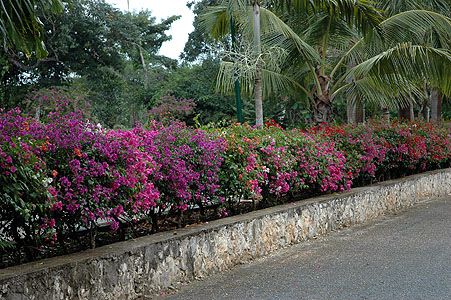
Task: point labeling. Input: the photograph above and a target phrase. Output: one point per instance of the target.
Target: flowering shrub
(364, 150)
(41, 102)
(66, 175)
(23, 194)
(266, 165)
(80, 176)
(413, 147)
(169, 108)
(188, 165)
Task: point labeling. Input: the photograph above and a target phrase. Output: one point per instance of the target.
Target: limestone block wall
(139, 268)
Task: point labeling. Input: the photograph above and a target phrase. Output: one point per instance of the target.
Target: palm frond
(234, 5)
(415, 62)
(393, 7)
(360, 14)
(274, 83)
(20, 26)
(215, 20)
(413, 25)
(390, 94)
(277, 33)
(338, 33)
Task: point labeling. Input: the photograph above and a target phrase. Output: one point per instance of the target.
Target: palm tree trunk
(355, 111)
(436, 105)
(258, 76)
(350, 101)
(425, 110)
(350, 110)
(322, 108)
(360, 113)
(258, 98)
(385, 114)
(406, 113)
(38, 112)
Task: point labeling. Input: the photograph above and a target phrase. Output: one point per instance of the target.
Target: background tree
(432, 101)
(196, 82)
(389, 71)
(200, 44)
(99, 46)
(250, 20)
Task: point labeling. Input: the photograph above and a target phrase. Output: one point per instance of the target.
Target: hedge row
(65, 175)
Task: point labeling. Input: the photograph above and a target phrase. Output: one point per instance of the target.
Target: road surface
(398, 256)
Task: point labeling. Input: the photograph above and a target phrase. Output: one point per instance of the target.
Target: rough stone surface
(140, 268)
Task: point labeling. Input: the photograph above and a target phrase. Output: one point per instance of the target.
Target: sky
(161, 10)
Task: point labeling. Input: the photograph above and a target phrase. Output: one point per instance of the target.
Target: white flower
(47, 181)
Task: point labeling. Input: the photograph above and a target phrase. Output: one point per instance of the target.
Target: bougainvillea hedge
(64, 175)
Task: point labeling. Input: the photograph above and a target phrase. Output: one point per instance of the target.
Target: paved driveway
(403, 256)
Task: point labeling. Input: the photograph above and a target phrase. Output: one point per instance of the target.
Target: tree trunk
(258, 76)
(436, 105)
(258, 99)
(425, 110)
(322, 108)
(133, 115)
(355, 111)
(350, 101)
(360, 113)
(385, 114)
(350, 110)
(143, 63)
(37, 115)
(406, 113)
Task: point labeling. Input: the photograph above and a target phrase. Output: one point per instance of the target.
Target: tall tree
(200, 45)
(196, 82)
(93, 42)
(433, 95)
(249, 20)
(388, 67)
(258, 97)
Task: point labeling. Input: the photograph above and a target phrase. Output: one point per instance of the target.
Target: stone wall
(140, 268)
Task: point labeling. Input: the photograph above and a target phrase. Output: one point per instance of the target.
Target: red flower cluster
(272, 123)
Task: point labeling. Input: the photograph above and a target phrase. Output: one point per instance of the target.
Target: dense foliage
(63, 175)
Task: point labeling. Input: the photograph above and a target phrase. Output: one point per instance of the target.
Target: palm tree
(258, 76)
(251, 19)
(388, 67)
(433, 96)
(217, 18)
(21, 27)
(413, 29)
(336, 24)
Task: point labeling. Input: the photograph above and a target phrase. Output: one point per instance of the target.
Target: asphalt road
(401, 256)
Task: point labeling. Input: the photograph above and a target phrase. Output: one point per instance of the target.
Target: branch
(24, 67)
